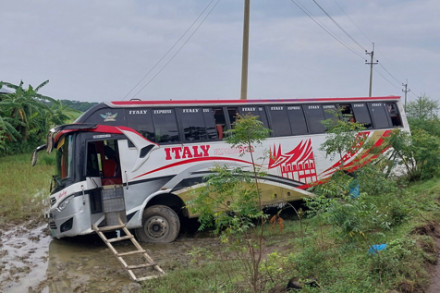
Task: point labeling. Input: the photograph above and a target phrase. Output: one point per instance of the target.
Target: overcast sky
(106, 50)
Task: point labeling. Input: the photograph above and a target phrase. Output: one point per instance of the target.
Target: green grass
(23, 188)
(338, 262)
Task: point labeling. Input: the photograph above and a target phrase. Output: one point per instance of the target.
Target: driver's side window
(92, 161)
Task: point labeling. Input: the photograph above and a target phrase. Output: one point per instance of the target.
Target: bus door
(104, 170)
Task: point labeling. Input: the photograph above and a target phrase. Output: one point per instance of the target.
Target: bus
(143, 160)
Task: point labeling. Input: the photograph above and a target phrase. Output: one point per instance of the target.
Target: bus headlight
(64, 204)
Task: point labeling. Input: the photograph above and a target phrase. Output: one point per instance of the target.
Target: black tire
(160, 224)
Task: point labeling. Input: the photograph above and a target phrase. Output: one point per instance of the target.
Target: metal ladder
(148, 265)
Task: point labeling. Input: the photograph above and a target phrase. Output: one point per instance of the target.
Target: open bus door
(104, 169)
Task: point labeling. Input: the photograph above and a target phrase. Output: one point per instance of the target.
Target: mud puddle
(31, 261)
(24, 260)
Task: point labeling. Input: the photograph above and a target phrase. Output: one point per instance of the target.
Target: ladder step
(111, 240)
(131, 252)
(131, 267)
(110, 228)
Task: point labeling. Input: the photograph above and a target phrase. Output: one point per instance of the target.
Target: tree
(26, 115)
(419, 151)
(423, 114)
(232, 203)
(422, 109)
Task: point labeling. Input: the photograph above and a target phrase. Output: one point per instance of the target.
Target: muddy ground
(31, 261)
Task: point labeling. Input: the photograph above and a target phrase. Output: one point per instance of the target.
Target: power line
(354, 23)
(371, 63)
(339, 26)
(303, 9)
(389, 73)
(172, 48)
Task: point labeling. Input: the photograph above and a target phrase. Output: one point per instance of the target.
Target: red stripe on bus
(193, 161)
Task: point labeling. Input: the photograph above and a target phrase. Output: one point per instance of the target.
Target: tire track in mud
(31, 261)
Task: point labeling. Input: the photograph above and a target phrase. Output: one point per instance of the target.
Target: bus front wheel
(160, 224)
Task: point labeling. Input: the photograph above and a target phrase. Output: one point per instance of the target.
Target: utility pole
(244, 60)
(371, 63)
(406, 90)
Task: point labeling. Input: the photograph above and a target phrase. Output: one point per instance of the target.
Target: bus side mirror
(34, 154)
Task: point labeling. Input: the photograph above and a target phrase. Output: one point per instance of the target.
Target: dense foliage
(26, 117)
(338, 249)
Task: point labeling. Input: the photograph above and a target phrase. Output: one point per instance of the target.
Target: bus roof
(134, 103)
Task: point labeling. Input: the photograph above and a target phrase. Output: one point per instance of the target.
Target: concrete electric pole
(244, 61)
(371, 63)
(406, 90)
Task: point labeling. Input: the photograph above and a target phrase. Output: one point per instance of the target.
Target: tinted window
(165, 126)
(297, 120)
(314, 116)
(193, 124)
(107, 116)
(361, 114)
(142, 121)
(379, 114)
(255, 111)
(330, 112)
(279, 121)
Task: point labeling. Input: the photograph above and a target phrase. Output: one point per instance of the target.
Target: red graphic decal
(356, 159)
(187, 152)
(361, 137)
(298, 164)
(190, 161)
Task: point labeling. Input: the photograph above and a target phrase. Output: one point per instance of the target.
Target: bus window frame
(373, 120)
(270, 120)
(303, 116)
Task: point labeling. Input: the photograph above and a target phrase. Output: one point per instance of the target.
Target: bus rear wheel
(160, 224)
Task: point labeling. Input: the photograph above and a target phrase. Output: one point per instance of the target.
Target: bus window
(347, 113)
(361, 114)
(379, 115)
(331, 112)
(65, 163)
(141, 119)
(92, 161)
(279, 121)
(394, 114)
(232, 113)
(210, 123)
(297, 120)
(193, 124)
(165, 126)
(314, 116)
(108, 116)
(255, 111)
(220, 122)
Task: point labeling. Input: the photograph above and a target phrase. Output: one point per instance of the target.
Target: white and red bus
(153, 154)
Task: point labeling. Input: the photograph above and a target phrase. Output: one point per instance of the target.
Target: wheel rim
(156, 227)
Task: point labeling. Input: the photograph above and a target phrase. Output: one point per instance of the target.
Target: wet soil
(31, 261)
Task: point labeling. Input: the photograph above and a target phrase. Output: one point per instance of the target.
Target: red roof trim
(265, 101)
(101, 129)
